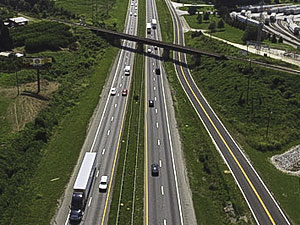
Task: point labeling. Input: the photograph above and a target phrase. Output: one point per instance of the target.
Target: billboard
(37, 62)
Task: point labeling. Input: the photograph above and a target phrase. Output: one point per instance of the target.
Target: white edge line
(239, 149)
(90, 201)
(105, 107)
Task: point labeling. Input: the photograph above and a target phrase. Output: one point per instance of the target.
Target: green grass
(228, 33)
(5, 124)
(61, 153)
(222, 83)
(108, 12)
(199, 8)
(131, 158)
(210, 190)
(165, 21)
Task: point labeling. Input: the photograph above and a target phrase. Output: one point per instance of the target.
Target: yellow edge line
(230, 151)
(146, 145)
(114, 164)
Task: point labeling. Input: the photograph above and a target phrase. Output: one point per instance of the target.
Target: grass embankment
(110, 14)
(199, 8)
(273, 97)
(211, 188)
(127, 204)
(49, 147)
(229, 33)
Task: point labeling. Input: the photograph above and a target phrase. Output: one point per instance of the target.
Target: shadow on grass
(34, 95)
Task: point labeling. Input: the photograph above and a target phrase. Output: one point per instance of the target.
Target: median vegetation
(127, 206)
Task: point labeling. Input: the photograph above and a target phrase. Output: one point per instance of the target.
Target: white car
(132, 4)
(135, 4)
(130, 13)
(136, 8)
(103, 183)
(113, 91)
(135, 14)
(149, 50)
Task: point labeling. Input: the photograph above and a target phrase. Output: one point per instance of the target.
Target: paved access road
(163, 204)
(105, 133)
(261, 202)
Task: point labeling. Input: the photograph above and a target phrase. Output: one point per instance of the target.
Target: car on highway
(155, 47)
(124, 92)
(113, 91)
(149, 50)
(157, 71)
(136, 8)
(151, 103)
(132, 4)
(135, 14)
(76, 216)
(130, 13)
(103, 184)
(154, 170)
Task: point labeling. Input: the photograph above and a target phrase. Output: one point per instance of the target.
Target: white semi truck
(82, 187)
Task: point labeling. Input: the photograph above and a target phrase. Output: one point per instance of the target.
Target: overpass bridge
(115, 37)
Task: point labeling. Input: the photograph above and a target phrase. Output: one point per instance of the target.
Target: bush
(43, 36)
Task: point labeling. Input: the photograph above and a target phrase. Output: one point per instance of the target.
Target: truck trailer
(82, 187)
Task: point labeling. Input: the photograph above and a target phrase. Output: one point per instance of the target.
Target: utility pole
(17, 82)
(268, 125)
(260, 26)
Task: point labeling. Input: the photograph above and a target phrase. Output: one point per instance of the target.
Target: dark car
(157, 71)
(75, 216)
(124, 92)
(154, 170)
(151, 103)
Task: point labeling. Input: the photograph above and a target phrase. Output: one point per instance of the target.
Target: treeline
(21, 152)
(5, 38)
(42, 36)
(42, 7)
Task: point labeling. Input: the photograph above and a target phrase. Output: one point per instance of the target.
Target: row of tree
(43, 7)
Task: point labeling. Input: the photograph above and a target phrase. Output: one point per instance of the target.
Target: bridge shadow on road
(154, 55)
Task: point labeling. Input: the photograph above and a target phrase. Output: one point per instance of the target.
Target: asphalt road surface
(105, 134)
(163, 204)
(259, 199)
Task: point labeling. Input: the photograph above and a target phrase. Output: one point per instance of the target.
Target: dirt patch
(288, 162)
(28, 104)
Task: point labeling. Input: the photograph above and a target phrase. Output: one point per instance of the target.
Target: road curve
(262, 204)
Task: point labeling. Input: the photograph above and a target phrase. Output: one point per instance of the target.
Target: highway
(163, 203)
(104, 134)
(262, 204)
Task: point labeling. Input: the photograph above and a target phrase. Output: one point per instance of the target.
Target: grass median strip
(127, 205)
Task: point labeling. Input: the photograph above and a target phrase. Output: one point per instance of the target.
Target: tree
(206, 16)
(212, 26)
(274, 40)
(221, 24)
(192, 10)
(199, 18)
(250, 34)
(6, 41)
